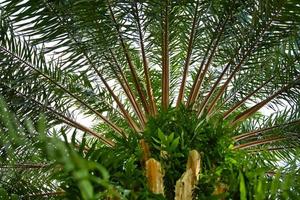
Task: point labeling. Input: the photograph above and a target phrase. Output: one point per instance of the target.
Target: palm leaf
(180, 75)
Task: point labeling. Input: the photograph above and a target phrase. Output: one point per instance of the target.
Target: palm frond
(159, 79)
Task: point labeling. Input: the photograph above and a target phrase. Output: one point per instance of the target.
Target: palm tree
(182, 96)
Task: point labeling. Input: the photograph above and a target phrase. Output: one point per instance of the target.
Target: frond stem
(165, 59)
(236, 106)
(259, 131)
(256, 107)
(237, 68)
(31, 66)
(260, 142)
(129, 93)
(152, 104)
(69, 121)
(130, 63)
(188, 55)
(206, 62)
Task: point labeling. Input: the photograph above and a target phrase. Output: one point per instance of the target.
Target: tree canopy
(158, 79)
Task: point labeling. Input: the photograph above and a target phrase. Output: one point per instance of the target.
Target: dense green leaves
(117, 62)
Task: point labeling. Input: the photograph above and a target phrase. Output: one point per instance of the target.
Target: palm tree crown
(158, 79)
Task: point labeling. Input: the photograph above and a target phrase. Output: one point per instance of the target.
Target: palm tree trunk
(154, 176)
(186, 184)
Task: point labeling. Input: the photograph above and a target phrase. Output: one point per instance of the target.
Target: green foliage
(62, 166)
(173, 133)
(78, 176)
(56, 56)
(77, 169)
(179, 131)
(88, 171)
